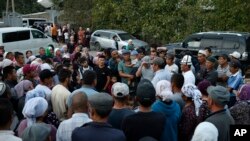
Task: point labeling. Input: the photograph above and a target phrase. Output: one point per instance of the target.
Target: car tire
(97, 46)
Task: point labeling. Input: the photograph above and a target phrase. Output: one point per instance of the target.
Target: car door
(214, 41)
(39, 40)
(106, 42)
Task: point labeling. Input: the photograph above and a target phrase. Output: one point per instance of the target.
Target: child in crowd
(83, 66)
(112, 81)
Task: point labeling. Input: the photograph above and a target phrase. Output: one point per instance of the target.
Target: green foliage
(156, 21)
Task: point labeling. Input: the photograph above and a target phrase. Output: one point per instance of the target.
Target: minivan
(102, 39)
(23, 38)
(219, 42)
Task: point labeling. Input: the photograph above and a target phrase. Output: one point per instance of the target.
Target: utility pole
(12, 6)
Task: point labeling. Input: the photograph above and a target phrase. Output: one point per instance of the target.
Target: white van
(23, 38)
(29, 22)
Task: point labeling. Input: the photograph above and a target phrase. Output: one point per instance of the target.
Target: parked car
(23, 39)
(102, 39)
(219, 42)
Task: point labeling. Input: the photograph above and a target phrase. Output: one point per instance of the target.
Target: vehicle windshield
(125, 36)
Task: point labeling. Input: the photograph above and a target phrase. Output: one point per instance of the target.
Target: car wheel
(97, 46)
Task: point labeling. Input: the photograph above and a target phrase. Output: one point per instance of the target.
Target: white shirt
(46, 90)
(58, 99)
(66, 35)
(161, 75)
(188, 77)
(173, 68)
(59, 32)
(8, 135)
(66, 127)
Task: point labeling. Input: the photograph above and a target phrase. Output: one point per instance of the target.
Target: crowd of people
(65, 94)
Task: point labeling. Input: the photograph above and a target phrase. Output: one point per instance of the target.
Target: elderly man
(80, 117)
(160, 72)
(218, 97)
(98, 130)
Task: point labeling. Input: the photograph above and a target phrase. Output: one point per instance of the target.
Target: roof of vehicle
(112, 30)
(12, 29)
(226, 33)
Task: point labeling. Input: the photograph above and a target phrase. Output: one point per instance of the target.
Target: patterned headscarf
(244, 92)
(190, 90)
(163, 89)
(34, 108)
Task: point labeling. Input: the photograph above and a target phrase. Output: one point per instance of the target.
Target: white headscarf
(35, 93)
(164, 90)
(190, 90)
(34, 108)
(205, 131)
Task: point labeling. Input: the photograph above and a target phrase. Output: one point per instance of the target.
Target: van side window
(231, 43)
(193, 43)
(37, 34)
(210, 42)
(16, 36)
(105, 35)
(23, 35)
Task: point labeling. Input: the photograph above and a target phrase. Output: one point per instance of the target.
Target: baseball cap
(28, 68)
(146, 59)
(219, 94)
(235, 54)
(145, 91)
(125, 52)
(235, 64)
(211, 59)
(187, 59)
(120, 89)
(202, 52)
(158, 61)
(134, 52)
(101, 101)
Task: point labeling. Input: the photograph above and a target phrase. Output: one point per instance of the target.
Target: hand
(131, 77)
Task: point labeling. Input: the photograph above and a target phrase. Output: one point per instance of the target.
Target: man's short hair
(17, 54)
(45, 74)
(178, 80)
(89, 77)
(64, 74)
(6, 111)
(160, 62)
(7, 70)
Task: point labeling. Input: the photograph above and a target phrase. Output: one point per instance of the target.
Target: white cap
(120, 89)
(32, 58)
(235, 54)
(187, 59)
(45, 66)
(202, 52)
(6, 62)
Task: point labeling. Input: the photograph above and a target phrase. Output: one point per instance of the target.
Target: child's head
(133, 55)
(113, 79)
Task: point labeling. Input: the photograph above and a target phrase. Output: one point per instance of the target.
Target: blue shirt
(161, 75)
(235, 81)
(97, 131)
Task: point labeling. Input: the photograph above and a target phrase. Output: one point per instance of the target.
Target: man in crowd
(218, 97)
(19, 57)
(103, 74)
(98, 130)
(160, 72)
(177, 82)
(186, 64)
(41, 54)
(223, 70)
(6, 117)
(9, 76)
(60, 93)
(120, 93)
(146, 122)
(124, 69)
(80, 117)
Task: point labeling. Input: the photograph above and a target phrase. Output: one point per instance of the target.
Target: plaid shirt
(66, 127)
